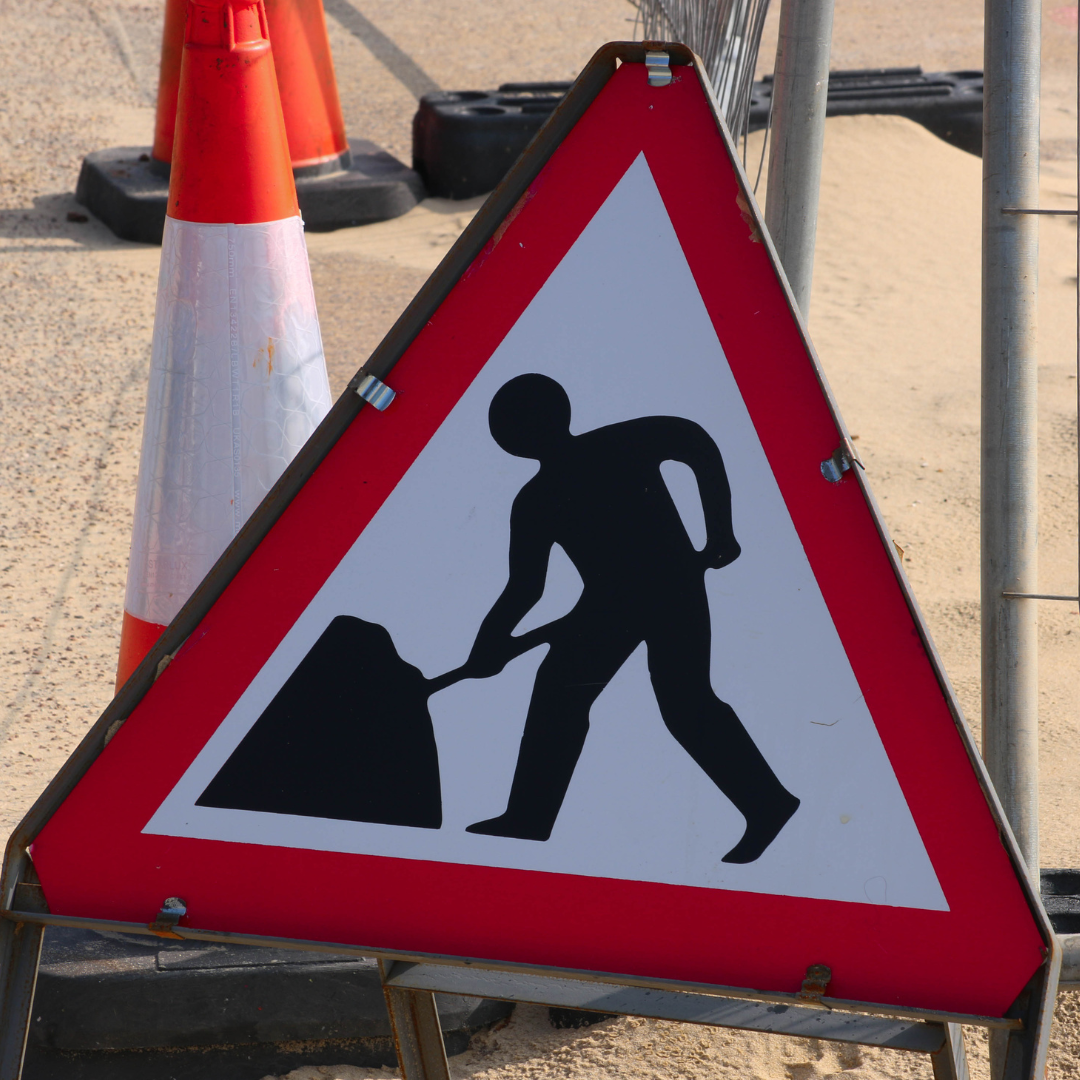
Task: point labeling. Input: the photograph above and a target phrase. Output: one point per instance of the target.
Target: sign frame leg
(950, 1062)
(1022, 1044)
(418, 1038)
(1020, 1054)
(20, 950)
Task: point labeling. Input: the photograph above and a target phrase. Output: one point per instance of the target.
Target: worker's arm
(530, 549)
(691, 444)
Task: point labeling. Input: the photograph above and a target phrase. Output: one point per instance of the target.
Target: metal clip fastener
(815, 984)
(375, 392)
(833, 468)
(658, 65)
(1037, 210)
(172, 911)
(1039, 596)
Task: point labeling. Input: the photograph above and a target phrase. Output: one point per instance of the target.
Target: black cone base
(119, 188)
(347, 737)
(375, 187)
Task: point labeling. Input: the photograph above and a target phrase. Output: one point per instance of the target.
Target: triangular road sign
(591, 651)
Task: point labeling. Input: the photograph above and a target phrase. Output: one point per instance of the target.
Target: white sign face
(620, 325)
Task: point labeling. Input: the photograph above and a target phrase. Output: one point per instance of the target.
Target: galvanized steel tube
(1009, 415)
(800, 94)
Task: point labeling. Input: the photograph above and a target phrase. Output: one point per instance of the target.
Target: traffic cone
(172, 50)
(309, 95)
(306, 83)
(237, 381)
(340, 182)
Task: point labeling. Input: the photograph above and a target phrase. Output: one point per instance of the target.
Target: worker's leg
(710, 731)
(569, 680)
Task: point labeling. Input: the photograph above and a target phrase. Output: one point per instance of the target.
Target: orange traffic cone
(238, 380)
(340, 182)
(172, 50)
(306, 82)
(309, 95)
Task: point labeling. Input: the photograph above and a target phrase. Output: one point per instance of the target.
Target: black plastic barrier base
(127, 1007)
(1061, 898)
(129, 193)
(948, 103)
(464, 141)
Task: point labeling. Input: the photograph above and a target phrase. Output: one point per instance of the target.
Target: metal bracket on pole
(1053, 213)
(1037, 210)
(1039, 596)
(414, 1020)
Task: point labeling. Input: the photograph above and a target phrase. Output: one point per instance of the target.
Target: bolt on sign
(578, 601)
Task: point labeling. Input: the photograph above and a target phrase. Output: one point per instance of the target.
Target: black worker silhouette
(349, 735)
(601, 497)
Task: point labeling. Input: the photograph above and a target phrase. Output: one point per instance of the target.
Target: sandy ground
(633, 1048)
(894, 317)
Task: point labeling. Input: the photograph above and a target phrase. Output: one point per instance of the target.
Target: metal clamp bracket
(375, 392)
(172, 911)
(658, 65)
(834, 467)
(815, 984)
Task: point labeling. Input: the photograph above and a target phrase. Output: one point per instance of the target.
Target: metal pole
(20, 949)
(800, 93)
(1009, 399)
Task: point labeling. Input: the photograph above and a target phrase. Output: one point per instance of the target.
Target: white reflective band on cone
(237, 384)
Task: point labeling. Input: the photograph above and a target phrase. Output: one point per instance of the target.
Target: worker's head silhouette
(529, 417)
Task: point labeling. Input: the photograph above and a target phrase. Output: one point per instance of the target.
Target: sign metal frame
(410, 980)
